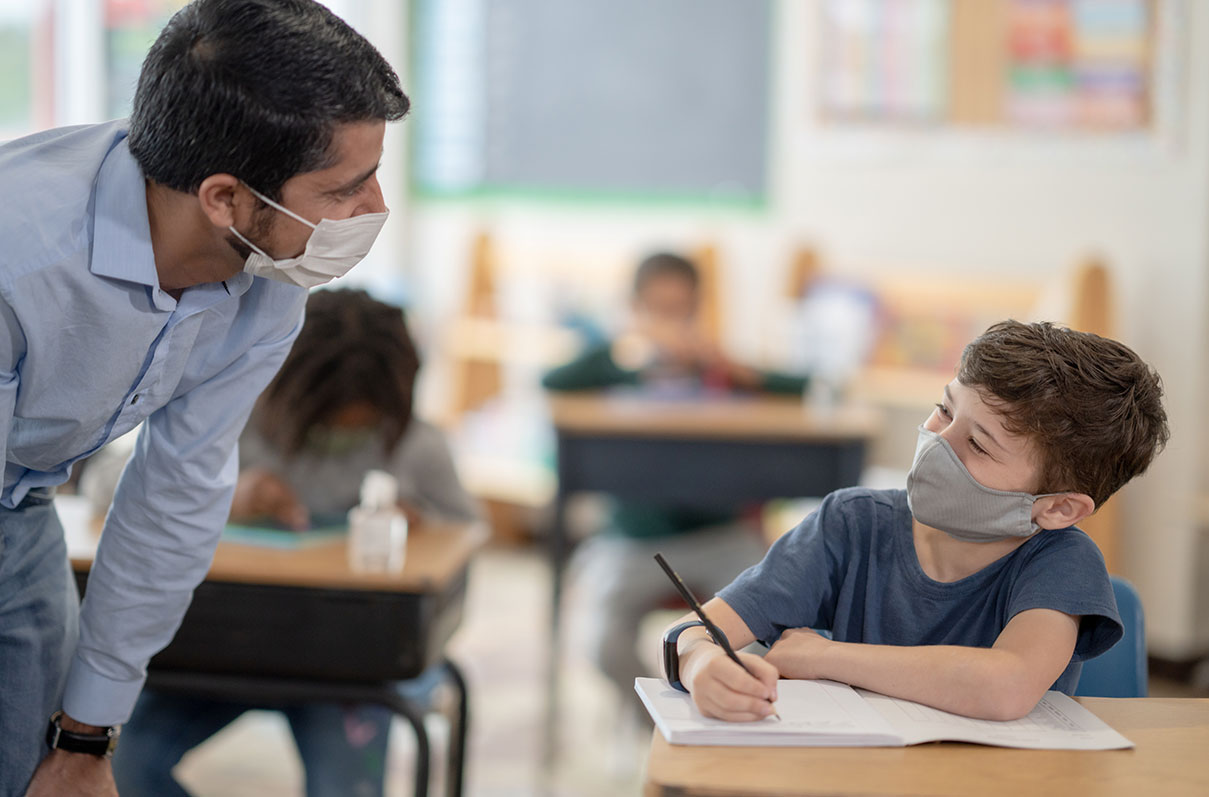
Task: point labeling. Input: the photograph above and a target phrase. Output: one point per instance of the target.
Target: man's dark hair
(351, 349)
(1091, 407)
(254, 88)
(665, 264)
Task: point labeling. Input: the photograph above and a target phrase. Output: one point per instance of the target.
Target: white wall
(965, 202)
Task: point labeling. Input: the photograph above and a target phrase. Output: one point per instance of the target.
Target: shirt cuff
(95, 699)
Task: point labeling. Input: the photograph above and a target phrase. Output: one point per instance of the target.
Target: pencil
(711, 628)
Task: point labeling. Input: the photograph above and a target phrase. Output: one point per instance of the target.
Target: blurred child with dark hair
(340, 406)
(664, 351)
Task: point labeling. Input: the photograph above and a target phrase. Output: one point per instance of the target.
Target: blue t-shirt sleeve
(793, 586)
(1067, 574)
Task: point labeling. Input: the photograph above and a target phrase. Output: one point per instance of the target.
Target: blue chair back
(1120, 672)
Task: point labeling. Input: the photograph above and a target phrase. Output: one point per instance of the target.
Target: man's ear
(1062, 510)
(224, 200)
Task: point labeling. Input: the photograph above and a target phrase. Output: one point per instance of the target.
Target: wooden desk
(1172, 737)
(272, 627)
(706, 454)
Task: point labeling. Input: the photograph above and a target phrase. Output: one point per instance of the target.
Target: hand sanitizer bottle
(377, 529)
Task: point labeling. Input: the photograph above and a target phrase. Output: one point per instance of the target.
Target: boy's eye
(974, 445)
(943, 410)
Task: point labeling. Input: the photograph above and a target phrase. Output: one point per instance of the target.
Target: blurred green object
(283, 539)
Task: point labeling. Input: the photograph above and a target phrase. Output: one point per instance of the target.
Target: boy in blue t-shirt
(971, 590)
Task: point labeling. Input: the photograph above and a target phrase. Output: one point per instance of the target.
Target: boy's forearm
(976, 682)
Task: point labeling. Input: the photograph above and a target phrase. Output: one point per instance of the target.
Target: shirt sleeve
(160, 535)
(782, 383)
(592, 370)
(796, 584)
(12, 348)
(426, 461)
(1068, 575)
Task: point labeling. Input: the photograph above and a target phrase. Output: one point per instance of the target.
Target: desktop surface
(1171, 735)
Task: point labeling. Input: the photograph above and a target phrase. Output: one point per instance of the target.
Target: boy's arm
(719, 687)
(592, 370)
(1002, 682)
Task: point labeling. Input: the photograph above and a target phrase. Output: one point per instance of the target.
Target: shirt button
(134, 399)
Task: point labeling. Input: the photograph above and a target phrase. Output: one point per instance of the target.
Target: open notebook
(829, 714)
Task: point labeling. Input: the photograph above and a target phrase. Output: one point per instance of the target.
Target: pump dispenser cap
(379, 489)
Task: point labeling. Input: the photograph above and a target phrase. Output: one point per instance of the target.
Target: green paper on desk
(283, 539)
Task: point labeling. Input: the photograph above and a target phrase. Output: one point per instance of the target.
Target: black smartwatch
(101, 745)
(671, 655)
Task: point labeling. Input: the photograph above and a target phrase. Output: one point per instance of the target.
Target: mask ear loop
(253, 246)
(276, 206)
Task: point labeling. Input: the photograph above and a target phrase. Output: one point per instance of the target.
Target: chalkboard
(594, 98)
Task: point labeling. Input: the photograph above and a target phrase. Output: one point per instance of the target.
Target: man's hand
(796, 653)
(260, 494)
(78, 774)
(63, 773)
(721, 688)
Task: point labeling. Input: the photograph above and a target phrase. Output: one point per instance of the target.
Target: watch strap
(671, 653)
(101, 745)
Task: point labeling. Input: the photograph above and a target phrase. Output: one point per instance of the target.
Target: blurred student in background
(664, 352)
(340, 406)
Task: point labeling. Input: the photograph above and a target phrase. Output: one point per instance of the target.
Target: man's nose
(374, 203)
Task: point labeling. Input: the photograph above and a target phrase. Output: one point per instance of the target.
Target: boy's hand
(721, 688)
(796, 653)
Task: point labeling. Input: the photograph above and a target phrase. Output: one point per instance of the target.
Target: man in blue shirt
(130, 293)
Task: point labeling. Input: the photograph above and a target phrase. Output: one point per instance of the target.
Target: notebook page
(813, 713)
(1056, 723)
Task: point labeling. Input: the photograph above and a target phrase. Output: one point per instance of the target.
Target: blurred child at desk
(665, 353)
(340, 406)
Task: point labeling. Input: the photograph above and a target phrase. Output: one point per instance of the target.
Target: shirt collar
(121, 237)
(121, 233)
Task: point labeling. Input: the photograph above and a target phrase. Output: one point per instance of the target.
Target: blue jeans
(343, 747)
(39, 625)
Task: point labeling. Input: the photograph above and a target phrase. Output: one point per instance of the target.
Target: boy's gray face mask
(942, 494)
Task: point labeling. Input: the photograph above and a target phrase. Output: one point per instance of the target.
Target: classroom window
(24, 66)
(131, 27)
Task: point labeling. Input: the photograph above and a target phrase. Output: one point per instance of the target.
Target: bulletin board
(626, 99)
(1080, 65)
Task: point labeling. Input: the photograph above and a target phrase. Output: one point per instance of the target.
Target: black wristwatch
(101, 745)
(671, 655)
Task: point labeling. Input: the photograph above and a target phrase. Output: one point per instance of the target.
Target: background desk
(706, 454)
(272, 627)
(1172, 737)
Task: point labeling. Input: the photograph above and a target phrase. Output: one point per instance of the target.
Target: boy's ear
(1062, 510)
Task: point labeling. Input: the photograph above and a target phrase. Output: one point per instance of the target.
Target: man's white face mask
(335, 246)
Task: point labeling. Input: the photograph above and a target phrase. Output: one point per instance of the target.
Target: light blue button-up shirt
(89, 348)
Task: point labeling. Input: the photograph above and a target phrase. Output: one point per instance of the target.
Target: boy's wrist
(825, 659)
(694, 649)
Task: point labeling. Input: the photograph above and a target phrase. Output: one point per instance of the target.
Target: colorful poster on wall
(1082, 64)
(885, 60)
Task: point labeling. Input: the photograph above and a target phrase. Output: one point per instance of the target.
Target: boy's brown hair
(1091, 407)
